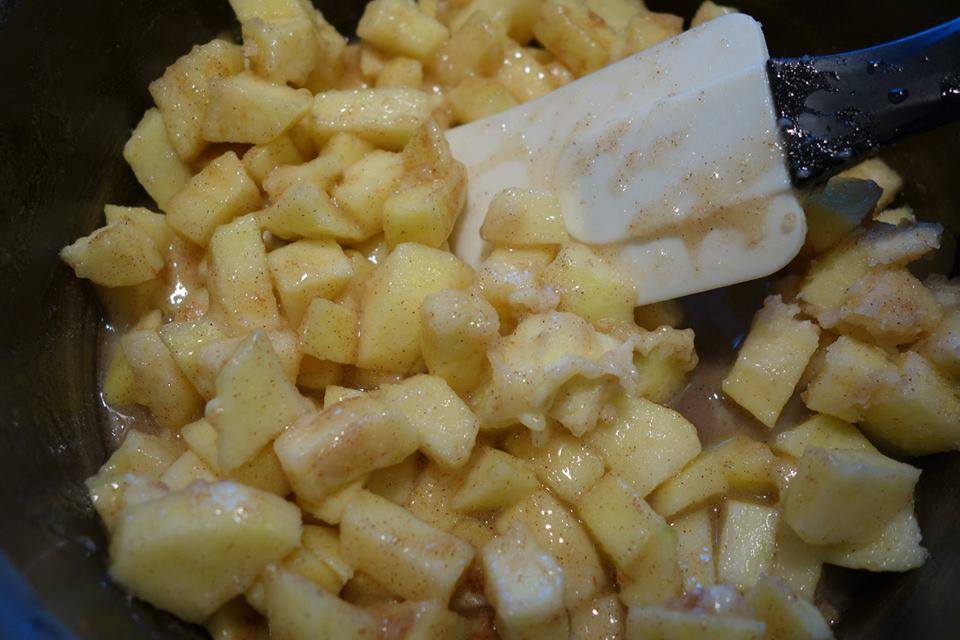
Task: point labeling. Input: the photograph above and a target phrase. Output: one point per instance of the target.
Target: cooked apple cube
(942, 347)
(390, 314)
(889, 247)
(329, 332)
(142, 455)
(889, 307)
(432, 497)
(836, 208)
(300, 610)
(662, 358)
(746, 464)
(401, 72)
(703, 480)
(645, 443)
(255, 401)
(216, 353)
(192, 551)
(879, 172)
(786, 615)
(120, 254)
(304, 210)
(602, 617)
(395, 483)
(366, 186)
(695, 553)
(579, 403)
(556, 530)
(525, 586)
(495, 480)
(568, 32)
(153, 224)
(185, 470)
(841, 495)
(161, 385)
(824, 289)
(305, 270)
(427, 565)
(619, 519)
(185, 339)
(475, 98)
(260, 160)
(851, 375)
(747, 543)
(475, 48)
(246, 108)
(446, 425)
(919, 413)
(509, 279)
(709, 10)
(825, 432)
(267, 9)
(332, 508)
(426, 620)
(154, 161)
(563, 463)
(797, 563)
(324, 451)
(457, 328)
(347, 149)
(401, 28)
(240, 278)
(661, 623)
(771, 360)
(281, 51)
(182, 93)
(424, 213)
(524, 217)
(321, 172)
(119, 387)
(589, 286)
(655, 576)
(896, 548)
(387, 117)
(236, 619)
(335, 393)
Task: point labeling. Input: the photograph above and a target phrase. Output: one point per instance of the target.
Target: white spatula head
(668, 162)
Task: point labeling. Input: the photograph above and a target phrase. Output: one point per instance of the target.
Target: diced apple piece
(329, 332)
(215, 354)
(404, 554)
(304, 210)
(509, 279)
(896, 548)
(475, 48)
(645, 443)
(187, 469)
(305, 270)
(332, 508)
(695, 553)
(834, 209)
(823, 431)
(563, 463)
(569, 33)
(709, 10)
(841, 495)
(797, 563)
(141, 455)
(701, 481)
(524, 217)
(446, 425)
(183, 92)
(619, 519)
(494, 481)
(255, 402)
(525, 586)
(390, 315)
(260, 160)
(236, 620)
(424, 620)
(117, 255)
(556, 530)
(396, 482)
(324, 451)
(387, 117)
(747, 543)
(322, 172)
(457, 327)
(119, 387)
(850, 377)
(889, 307)
(655, 576)
(154, 161)
(246, 10)
(661, 623)
(161, 385)
(942, 346)
(366, 185)
(919, 414)
(824, 288)
(185, 340)
(771, 360)
(246, 108)
(401, 72)
(432, 497)
(787, 616)
(475, 98)
(153, 224)
(192, 551)
(401, 28)
(878, 171)
(335, 393)
(281, 51)
(240, 278)
(589, 286)
(299, 610)
(602, 618)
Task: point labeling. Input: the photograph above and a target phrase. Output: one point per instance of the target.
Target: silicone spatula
(682, 163)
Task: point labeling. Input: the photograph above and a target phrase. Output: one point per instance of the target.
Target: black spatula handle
(834, 110)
